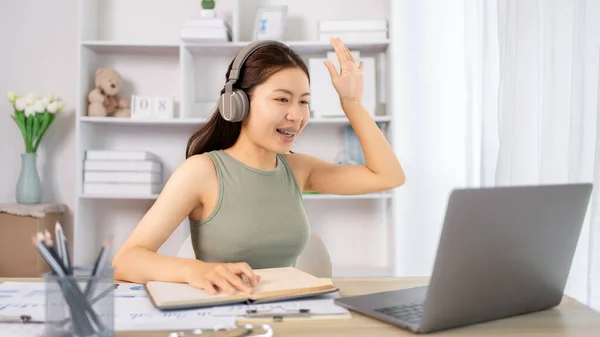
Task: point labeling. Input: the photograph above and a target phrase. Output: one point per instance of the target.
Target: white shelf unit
(200, 121)
(356, 229)
(307, 196)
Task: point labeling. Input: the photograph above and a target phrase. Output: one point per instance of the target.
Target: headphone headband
(243, 55)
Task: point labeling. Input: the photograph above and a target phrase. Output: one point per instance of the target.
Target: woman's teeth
(287, 133)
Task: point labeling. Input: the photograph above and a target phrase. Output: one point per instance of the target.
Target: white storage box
(122, 165)
(325, 101)
(122, 188)
(352, 25)
(122, 177)
(354, 31)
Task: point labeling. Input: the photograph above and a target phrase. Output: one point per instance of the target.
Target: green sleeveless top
(259, 217)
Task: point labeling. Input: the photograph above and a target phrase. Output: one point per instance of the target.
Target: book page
(275, 282)
(284, 279)
(169, 294)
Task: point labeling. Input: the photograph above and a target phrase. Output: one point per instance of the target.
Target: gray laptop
(503, 252)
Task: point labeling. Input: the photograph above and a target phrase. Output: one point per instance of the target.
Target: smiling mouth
(289, 133)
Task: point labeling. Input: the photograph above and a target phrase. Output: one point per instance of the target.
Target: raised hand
(349, 82)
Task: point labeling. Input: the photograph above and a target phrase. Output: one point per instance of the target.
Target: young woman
(241, 186)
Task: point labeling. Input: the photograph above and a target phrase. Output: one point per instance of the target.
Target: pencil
(73, 295)
(57, 235)
(71, 301)
(98, 267)
(46, 238)
(47, 255)
(62, 245)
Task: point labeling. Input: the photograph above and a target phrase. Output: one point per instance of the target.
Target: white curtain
(547, 110)
(430, 123)
(495, 92)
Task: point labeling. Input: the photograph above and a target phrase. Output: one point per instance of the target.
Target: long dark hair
(219, 134)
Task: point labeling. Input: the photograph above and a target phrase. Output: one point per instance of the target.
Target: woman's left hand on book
(228, 277)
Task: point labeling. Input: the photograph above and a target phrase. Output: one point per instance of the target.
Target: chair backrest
(314, 260)
(186, 250)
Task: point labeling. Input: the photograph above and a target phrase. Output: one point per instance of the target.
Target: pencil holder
(80, 305)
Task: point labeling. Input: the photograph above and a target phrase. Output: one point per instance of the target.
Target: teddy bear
(104, 99)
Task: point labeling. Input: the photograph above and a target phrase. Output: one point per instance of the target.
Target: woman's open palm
(349, 82)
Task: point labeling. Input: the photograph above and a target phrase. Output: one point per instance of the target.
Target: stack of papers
(321, 307)
(122, 172)
(206, 30)
(354, 30)
(134, 310)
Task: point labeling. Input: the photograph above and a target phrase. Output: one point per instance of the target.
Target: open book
(275, 284)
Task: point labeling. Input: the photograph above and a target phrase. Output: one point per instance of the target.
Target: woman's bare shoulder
(195, 173)
(200, 164)
(298, 161)
(299, 164)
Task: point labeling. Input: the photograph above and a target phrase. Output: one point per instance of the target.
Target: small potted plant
(208, 9)
(33, 115)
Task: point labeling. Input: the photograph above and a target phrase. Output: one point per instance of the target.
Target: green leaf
(42, 120)
(30, 126)
(48, 119)
(21, 127)
(36, 125)
(26, 133)
(21, 117)
(30, 130)
(20, 124)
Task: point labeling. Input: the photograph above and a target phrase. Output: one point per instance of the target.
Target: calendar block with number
(147, 107)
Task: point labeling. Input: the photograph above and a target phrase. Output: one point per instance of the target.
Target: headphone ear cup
(242, 105)
(224, 109)
(239, 105)
(234, 106)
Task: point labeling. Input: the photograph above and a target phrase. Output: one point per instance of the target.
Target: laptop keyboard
(410, 313)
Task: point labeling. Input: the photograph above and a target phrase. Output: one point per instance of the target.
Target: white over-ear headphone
(234, 104)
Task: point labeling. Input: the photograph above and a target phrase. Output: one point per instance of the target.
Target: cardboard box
(18, 256)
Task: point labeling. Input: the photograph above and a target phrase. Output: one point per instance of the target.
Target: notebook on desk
(276, 284)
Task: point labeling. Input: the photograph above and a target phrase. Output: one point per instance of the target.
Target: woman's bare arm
(137, 260)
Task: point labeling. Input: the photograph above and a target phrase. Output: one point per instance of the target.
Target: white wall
(39, 44)
(38, 53)
(44, 58)
(427, 37)
(428, 78)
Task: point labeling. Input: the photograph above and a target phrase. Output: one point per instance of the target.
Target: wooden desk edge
(578, 319)
(377, 284)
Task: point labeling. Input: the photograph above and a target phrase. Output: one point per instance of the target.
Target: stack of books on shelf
(357, 31)
(122, 172)
(206, 30)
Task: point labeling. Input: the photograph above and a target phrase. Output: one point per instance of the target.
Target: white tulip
(53, 107)
(50, 97)
(29, 111)
(61, 104)
(46, 100)
(30, 98)
(39, 106)
(12, 97)
(20, 104)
